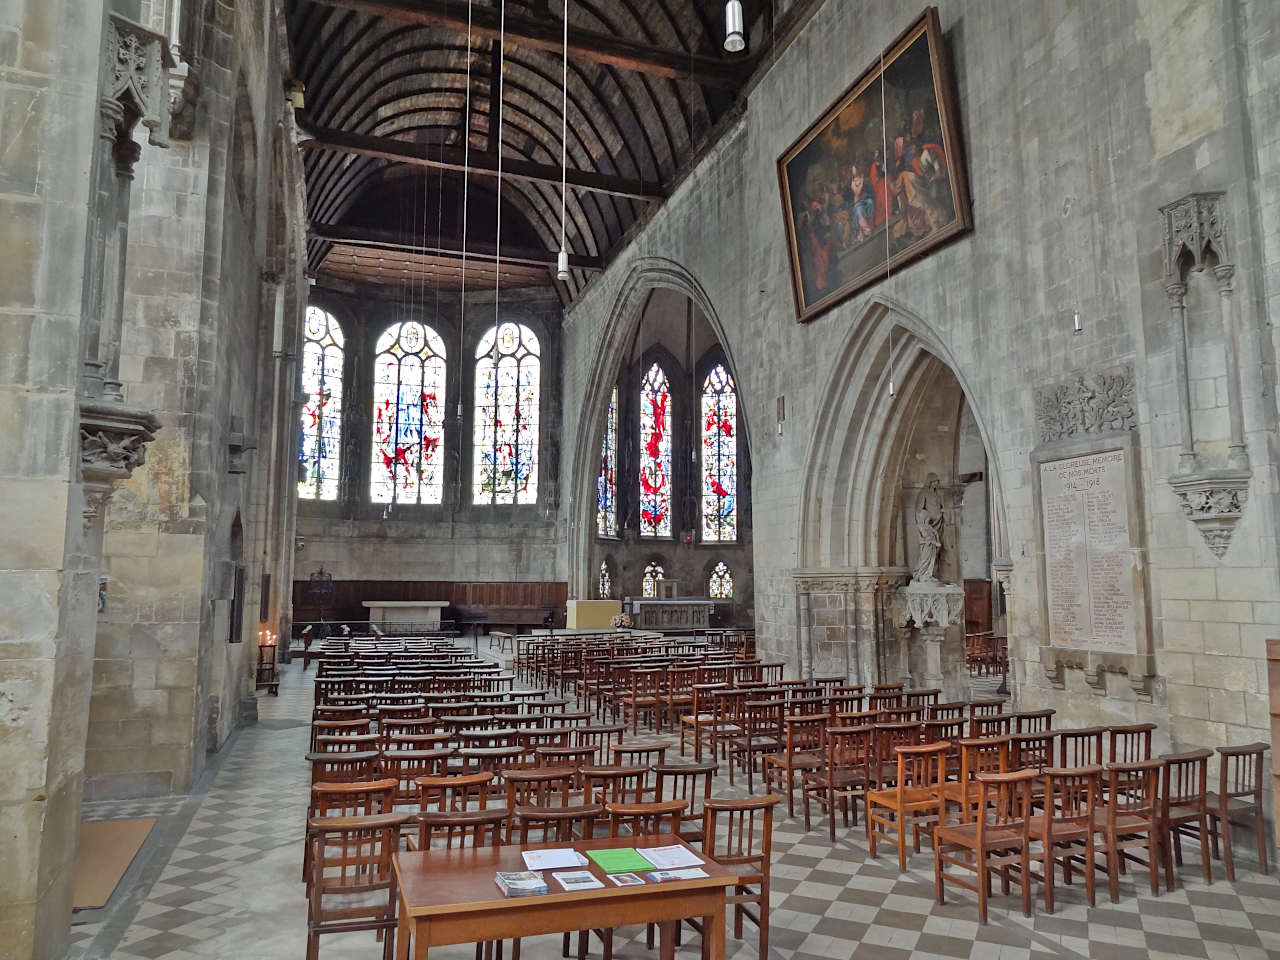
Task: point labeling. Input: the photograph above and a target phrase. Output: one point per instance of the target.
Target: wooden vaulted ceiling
(386, 102)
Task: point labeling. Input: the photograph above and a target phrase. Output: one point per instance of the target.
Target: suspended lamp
(734, 39)
(562, 260)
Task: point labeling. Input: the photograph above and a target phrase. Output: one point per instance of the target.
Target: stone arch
(846, 518)
(645, 275)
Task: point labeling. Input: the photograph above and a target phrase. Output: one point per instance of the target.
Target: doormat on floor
(106, 849)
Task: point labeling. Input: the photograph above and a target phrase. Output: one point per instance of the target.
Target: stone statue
(929, 519)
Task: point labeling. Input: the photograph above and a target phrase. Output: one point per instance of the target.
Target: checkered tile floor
(221, 879)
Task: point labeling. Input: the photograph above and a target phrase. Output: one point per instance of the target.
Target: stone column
(1176, 291)
(1237, 455)
(865, 633)
(804, 660)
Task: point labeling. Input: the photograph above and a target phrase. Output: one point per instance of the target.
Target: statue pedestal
(932, 607)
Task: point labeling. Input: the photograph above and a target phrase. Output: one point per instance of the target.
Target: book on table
(667, 876)
(578, 880)
(619, 860)
(522, 883)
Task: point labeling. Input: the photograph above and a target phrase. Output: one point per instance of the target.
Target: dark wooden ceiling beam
(447, 247)
(546, 35)
(483, 164)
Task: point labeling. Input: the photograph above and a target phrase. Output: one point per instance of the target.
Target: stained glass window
(506, 427)
(408, 416)
(606, 581)
(606, 482)
(652, 574)
(655, 454)
(719, 456)
(318, 452)
(721, 585)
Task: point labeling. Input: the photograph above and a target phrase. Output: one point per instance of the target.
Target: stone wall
(209, 257)
(355, 539)
(1165, 99)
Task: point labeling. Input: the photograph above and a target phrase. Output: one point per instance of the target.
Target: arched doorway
(896, 415)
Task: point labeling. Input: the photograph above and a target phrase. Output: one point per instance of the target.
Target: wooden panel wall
(348, 595)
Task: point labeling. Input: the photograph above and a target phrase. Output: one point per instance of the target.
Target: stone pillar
(1176, 291)
(1237, 455)
(804, 659)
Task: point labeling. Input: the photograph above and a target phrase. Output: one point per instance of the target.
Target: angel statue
(929, 519)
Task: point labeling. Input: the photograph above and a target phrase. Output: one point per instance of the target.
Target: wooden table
(449, 897)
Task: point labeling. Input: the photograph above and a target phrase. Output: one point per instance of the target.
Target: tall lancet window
(508, 368)
(720, 584)
(655, 454)
(605, 587)
(719, 456)
(320, 448)
(606, 482)
(653, 572)
(408, 416)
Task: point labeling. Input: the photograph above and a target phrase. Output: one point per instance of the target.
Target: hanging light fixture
(562, 260)
(734, 39)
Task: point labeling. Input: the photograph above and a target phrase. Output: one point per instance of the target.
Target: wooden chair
(760, 734)
(843, 778)
(1067, 826)
(985, 708)
(643, 697)
(564, 756)
(999, 725)
(531, 738)
(915, 801)
(677, 694)
(348, 743)
(554, 824)
(739, 833)
(921, 698)
(1129, 743)
(343, 767)
(330, 800)
(980, 755)
(995, 841)
(1130, 819)
(1033, 751)
(690, 783)
(1033, 721)
(638, 754)
(954, 710)
(1239, 798)
(844, 699)
(337, 728)
(639, 819)
(351, 884)
(902, 714)
(1184, 805)
(1081, 748)
(538, 787)
(888, 737)
(698, 717)
(614, 784)
(599, 737)
(406, 766)
(802, 750)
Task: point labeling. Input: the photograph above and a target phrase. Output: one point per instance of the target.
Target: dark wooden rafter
(450, 247)
(483, 164)
(546, 35)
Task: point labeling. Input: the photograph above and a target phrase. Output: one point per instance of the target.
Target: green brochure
(620, 860)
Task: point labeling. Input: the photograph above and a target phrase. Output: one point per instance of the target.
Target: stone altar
(671, 614)
(405, 616)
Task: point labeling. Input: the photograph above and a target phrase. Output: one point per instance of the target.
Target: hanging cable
(466, 182)
(562, 261)
(497, 262)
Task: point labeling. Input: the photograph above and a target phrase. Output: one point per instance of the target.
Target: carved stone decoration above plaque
(1213, 500)
(135, 83)
(1086, 404)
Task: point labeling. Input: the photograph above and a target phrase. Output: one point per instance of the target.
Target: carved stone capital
(1214, 501)
(135, 65)
(1176, 291)
(930, 604)
(113, 443)
(1194, 227)
(1224, 273)
(1099, 402)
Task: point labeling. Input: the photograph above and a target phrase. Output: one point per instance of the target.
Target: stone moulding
(1194, 227)
(113, 443)
(136, 63)
(929, 604)
(1213, 500)
(1086, 404)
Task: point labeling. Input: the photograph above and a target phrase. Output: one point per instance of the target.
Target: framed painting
(879, 179)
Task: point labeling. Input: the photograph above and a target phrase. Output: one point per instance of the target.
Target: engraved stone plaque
(1084, 510)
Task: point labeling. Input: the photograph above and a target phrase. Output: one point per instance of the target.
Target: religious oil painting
(879, 179)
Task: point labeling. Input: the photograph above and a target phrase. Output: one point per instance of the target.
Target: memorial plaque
(1084, 510)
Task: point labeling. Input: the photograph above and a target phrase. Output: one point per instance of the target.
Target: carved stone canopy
(1213, 500)
(931, 604)
(1089, 403)
(135, 82)
(1194, 227)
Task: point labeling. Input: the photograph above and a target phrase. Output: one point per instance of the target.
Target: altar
(691, 614)
(405, 616)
